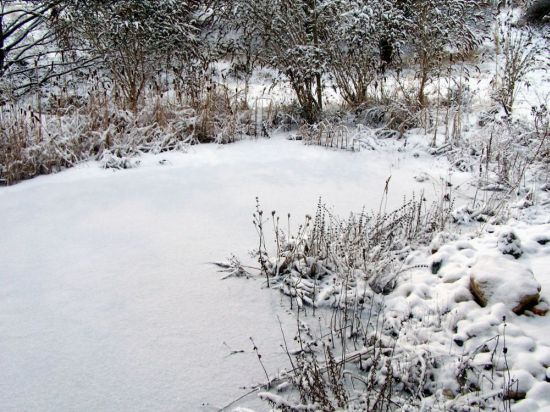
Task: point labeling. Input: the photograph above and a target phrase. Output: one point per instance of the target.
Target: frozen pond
(107, 300)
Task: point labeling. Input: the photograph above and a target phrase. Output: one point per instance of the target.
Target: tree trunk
(2, 52)
(316, 44)
(423, 81)
(319, 93)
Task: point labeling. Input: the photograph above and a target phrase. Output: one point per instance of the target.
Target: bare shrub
(134, 38)
(520, 57)
(326, 253)
(434, 26)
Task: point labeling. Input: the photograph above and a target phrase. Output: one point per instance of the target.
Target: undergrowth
(67, 128)
(349, 351)
(333, 262)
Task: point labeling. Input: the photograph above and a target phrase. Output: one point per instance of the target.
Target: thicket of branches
(306, 41)
(155, 60)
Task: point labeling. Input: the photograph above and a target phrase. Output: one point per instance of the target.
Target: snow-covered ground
(458, 333)
(107, 298)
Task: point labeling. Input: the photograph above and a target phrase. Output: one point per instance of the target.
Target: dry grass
(67, 128)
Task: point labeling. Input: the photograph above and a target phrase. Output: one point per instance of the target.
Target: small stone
(514, 395)
(436, 265)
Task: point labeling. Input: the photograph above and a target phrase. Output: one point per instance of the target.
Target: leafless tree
(32, 50)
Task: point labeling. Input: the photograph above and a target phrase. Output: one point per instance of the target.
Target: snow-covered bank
(107, 299)
(464, 326)
(474, 345)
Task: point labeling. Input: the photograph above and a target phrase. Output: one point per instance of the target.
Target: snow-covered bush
(133, 38)
(371, 356)
(541, 117)
(110, 161)
(33, 50)
(520, 56)
(432, 338)
(437, 29)
(384, 377)
(290, 37)
(362, 42)
(328, 134)
(333, 262)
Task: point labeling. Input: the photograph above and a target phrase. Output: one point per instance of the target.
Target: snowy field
(108, 301)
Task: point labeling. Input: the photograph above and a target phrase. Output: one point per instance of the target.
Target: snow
(444, 310)
(108, 300)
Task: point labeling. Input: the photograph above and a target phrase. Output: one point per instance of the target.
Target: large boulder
(498, 279)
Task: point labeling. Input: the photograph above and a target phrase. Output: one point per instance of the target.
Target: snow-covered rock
(497, 279)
